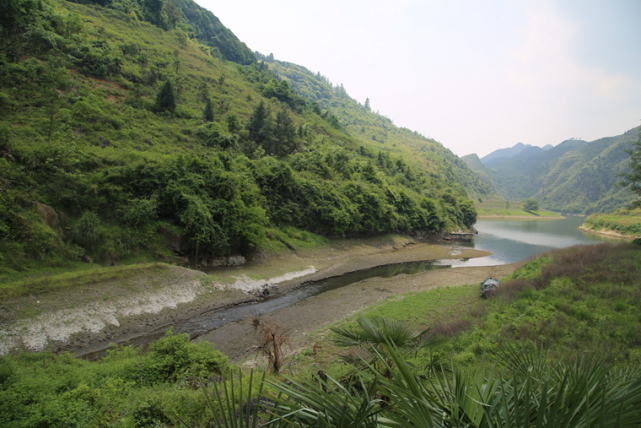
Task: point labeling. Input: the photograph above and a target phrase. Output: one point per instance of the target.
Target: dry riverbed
(87, 319)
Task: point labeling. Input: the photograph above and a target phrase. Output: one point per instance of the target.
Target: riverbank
(625, 224)
(608, 233)
(237, 340)
(88, 318)
(518, 217)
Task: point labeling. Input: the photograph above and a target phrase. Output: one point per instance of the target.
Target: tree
(632, 178)
(530, 204)
(285, 134)
(257, 121)
(507, 205)
(166, 100)
(17, 19)
(209, 112)
(367, 106)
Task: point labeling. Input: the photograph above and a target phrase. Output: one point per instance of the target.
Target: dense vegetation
(377, 130)
(121, 130)
(574, 177)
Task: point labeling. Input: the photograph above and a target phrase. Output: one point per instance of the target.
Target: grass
(289, 238)
(492, 208)
(73, 280)
(625, 222)
(571, 301)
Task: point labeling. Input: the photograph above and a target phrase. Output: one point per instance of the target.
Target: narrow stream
(212, 320)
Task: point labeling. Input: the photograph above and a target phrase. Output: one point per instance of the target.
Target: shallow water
(209, 321)
(516, 240)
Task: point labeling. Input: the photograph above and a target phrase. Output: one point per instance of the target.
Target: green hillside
(378, 132)
(573, 177)
(124, 136)
(474, 163)
(582, 181)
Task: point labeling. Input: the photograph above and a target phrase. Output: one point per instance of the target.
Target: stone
(49, 215)
(237, 260)
(174, 240)
(110, 258)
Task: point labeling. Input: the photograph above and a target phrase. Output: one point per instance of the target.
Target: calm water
(515, 240)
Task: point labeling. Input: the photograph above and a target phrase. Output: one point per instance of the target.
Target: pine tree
(367, 106)
(256, 122)
(209, 112)
(165, 100)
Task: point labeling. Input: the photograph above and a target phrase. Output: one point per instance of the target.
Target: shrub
(139, 212)
(213, 134)
(174, 356)
(166, 100)
(530, 204)
(87, 230)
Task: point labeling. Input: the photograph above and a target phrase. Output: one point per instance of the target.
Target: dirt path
(237, 339)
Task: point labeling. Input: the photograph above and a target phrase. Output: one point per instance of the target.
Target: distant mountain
(582, 180)
(504, 153)
(548, 147)
(520, 178)
(575, 176)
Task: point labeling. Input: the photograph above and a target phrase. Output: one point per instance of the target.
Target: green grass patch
(626, 222)
(73, 280)
(291, 238)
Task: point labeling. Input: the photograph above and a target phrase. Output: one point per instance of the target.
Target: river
(516, 240)
(509, 240)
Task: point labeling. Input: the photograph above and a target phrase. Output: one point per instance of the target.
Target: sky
(474, 75)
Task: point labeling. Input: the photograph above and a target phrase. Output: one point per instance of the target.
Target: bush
(174, 356)
(87, 230)
(139, 212)
(530, 204)
(213, 134)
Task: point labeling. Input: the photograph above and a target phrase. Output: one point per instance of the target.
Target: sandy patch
(606, 232)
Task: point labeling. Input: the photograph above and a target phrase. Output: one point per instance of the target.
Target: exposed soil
(83, 321)
(517, 217)
(237, 340)
(606, 232)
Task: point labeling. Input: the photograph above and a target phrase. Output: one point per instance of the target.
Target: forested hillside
(131, 128)
(573, 177)
(474, 163)
(379, 132)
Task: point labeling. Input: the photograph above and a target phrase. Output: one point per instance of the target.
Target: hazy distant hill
(574, 177)
(504, 153)
(518, 151)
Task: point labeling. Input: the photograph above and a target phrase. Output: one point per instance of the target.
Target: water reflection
(516, 240)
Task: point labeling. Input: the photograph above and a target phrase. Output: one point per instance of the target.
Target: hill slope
(123, 139)
(574, 176)
(378, 132)
(474, 163)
